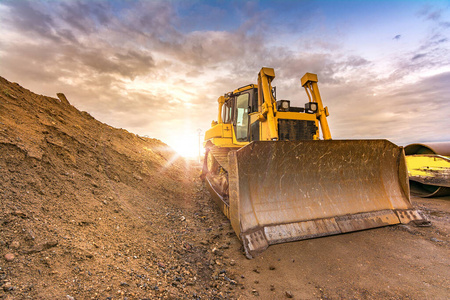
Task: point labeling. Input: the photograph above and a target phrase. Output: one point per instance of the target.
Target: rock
(9, 257)
(19, 213)
(41, 247)
(289, 294)
(232, 262)
(63, 100)
(272, 287)
(136, 176)
(48, 245)
(406, 228)
(271, 268)
(217, 252)
(70, 297)
(14, 245)
(46, 261)
(183, 218)
(29, 236)
(436, 240)
(187, 246)
(7, 286)
(255, 292)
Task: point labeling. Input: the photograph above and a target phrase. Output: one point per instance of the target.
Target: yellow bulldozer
(278, 179)
(429, 168)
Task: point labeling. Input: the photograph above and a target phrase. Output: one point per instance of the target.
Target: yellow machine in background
(429, 168)
(277, 181)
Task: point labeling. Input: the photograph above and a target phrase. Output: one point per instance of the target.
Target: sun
(188, 145)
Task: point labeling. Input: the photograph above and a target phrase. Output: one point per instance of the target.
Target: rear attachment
(288, 191)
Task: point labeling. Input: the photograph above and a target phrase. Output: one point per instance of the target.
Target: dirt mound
(91, 211)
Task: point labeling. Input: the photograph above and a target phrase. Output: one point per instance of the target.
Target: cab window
(226, 112)
(242, 117)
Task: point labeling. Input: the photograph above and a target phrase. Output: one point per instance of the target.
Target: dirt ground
(93, 212)
(396, 262)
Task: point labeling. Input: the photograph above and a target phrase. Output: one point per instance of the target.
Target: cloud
(157, 67)
(24, 17)
(417, 56)
(411, 112)
(430, 13)
(85, 17)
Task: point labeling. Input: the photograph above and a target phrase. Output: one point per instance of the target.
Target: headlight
(283, 105)
(311, 106)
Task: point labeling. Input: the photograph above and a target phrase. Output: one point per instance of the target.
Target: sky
(156, 68)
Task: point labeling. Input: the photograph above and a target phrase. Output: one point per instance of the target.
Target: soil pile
(91, 211)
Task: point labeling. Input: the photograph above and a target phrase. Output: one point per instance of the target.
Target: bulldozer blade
(286, 191)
